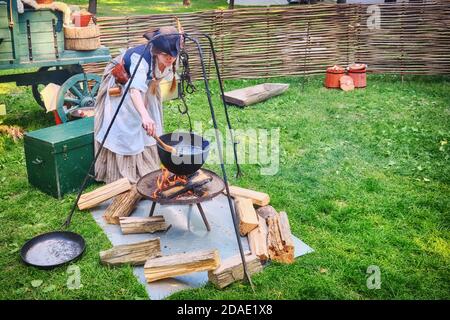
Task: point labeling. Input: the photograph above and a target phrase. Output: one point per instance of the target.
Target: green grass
(139, 7)
(364, 177)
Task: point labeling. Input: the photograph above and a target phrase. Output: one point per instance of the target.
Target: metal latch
(65, 156)
(37, 161)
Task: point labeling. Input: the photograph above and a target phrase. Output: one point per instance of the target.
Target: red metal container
(81, 19)
(333, 76)
(358, 74)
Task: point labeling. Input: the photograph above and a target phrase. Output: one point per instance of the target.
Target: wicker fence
(259, 43)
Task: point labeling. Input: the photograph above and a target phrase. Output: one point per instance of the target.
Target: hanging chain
(185, 86)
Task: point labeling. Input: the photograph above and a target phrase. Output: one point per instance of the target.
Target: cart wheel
(79, 91)
(37, 88)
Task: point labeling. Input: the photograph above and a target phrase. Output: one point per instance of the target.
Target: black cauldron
(192, 151)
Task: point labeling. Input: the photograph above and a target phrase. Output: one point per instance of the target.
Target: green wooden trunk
(59, 157)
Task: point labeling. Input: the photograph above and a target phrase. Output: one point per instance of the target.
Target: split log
(122, 205)
(266, 212)
(248, 220)
(94, 198)
(179, 264)
(231, 270)
(279, 240)
(286, 236)
(131, 225)
(257, 240)
(258, 198)
(200, 179)
(135, 254)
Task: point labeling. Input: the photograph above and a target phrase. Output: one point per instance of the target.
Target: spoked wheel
(37, 88)
(77, 93)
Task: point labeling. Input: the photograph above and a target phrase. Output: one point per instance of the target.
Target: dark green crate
(59, 157)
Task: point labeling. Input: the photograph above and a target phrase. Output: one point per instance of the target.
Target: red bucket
(358, 73)
(333, 76)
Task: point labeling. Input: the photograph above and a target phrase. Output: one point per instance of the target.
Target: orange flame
(166, 180)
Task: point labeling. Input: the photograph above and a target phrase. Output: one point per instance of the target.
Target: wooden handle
(164, 145)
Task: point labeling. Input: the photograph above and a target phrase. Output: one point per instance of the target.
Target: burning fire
(166, 180)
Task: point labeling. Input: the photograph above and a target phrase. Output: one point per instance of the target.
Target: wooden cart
(34, 40)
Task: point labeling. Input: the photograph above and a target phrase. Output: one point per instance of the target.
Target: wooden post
(135, 254)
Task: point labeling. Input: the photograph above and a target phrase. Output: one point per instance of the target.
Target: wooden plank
(122, 205)
(258, 198)
(248, 220)
(94, 198)
(134, 254)
(180, 264)
(232, 270)
(131, 225)
(251, 95)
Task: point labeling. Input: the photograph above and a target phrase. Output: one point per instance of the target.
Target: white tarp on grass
(187, 234)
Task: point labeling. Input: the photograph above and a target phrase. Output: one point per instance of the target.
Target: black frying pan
(52, 249)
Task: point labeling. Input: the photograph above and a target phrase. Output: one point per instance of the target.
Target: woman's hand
(149, 125)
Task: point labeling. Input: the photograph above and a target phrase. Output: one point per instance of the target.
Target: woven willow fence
(410, 38)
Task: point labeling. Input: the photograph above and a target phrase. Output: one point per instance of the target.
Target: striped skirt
(111, 166)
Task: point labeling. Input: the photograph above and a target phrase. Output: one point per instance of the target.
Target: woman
(129, 150)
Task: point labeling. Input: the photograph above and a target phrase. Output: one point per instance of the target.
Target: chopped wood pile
(268, 233)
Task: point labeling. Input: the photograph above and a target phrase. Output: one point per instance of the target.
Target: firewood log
(257, 240)
(248, 220)
(197, 181)
(286, 235)
(130, 225)
(179, 264)
(122, 205)
(258, 198)
(231, 270)
(279, 240)
(94, 198)
(135, 254)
